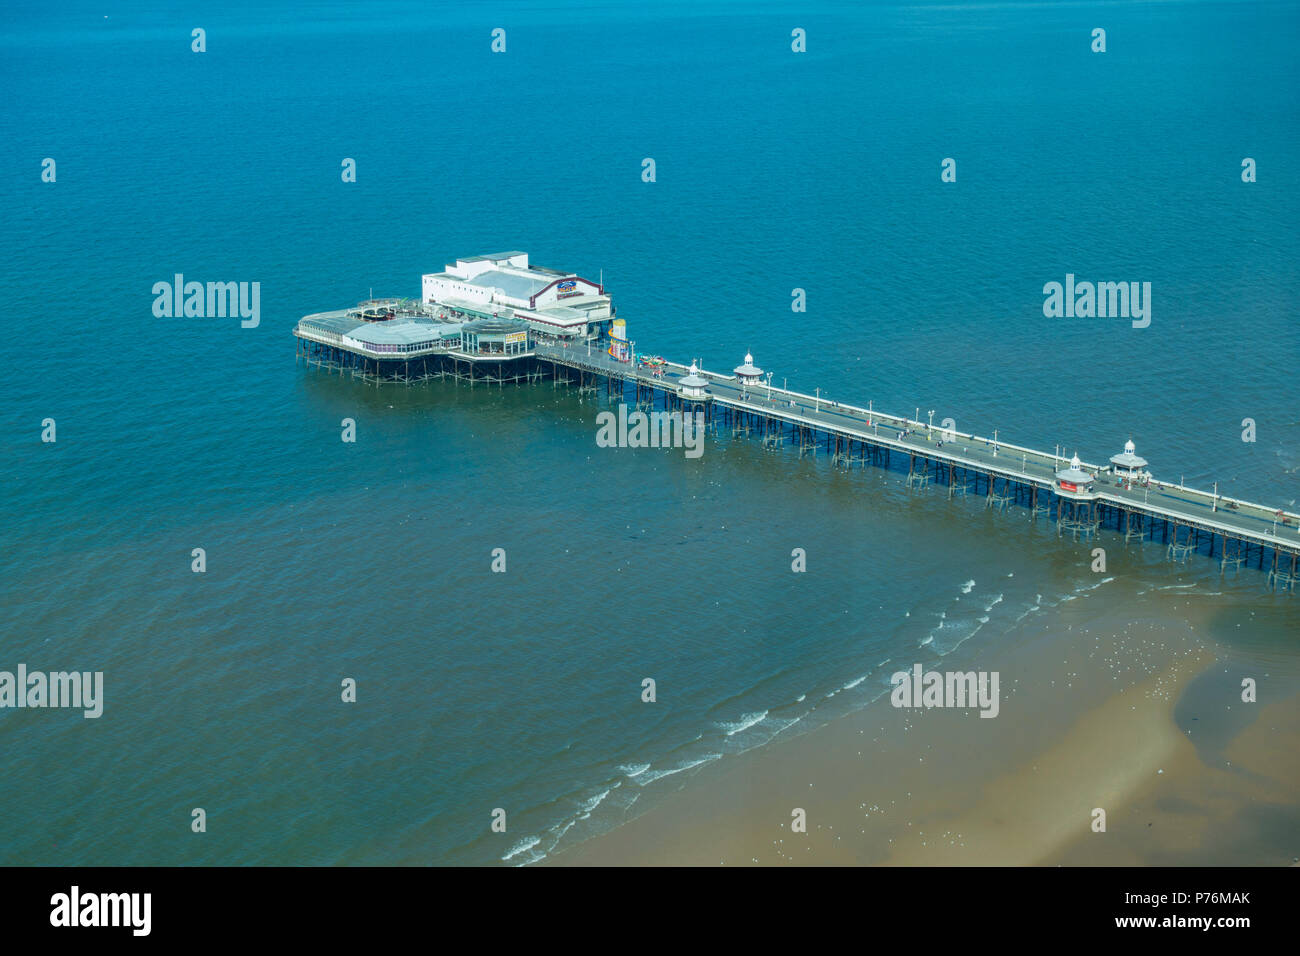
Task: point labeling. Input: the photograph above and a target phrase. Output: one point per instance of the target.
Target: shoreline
(1088, 720)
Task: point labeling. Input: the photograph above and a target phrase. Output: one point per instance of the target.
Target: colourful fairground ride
(655, 364)
(619, 347)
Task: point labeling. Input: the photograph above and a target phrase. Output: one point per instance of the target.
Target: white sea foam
(1093, 587)
(525, 844)
(784, 725)
(598, 799)
(562, 829)
(650, 776)
(1028, 611)
(633, 769)
(966, 588)
(854, 683)
(1036, 606)
(746, 721)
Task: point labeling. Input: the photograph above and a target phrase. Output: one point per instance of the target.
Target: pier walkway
(1184, 508)
(1185, 519)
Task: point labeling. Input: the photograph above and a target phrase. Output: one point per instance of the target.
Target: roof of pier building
(693, 379)
(473, 308)
(511, 284)
(338, 323)
(403, 332)
(563, 314)
(495, 326)
(1074, 474)
(1128, 458)
(509, 276)
(493, 257)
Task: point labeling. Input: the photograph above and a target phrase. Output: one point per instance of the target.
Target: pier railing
(1057, 460)
(1035, 467)
(1190, 507)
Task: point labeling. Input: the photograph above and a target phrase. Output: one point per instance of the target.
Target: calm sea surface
(775, 171)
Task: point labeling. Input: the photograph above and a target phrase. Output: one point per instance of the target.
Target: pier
(490, 345)
(1184, 519)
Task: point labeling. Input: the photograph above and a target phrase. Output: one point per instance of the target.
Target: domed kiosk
(749, 373)
(693, 387)
(1128, 466)
(1075, 483)
(1076, 498)
(693, 396)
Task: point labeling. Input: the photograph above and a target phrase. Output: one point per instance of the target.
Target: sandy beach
(1100, 710)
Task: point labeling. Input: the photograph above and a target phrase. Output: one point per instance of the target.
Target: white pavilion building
(1129, 465)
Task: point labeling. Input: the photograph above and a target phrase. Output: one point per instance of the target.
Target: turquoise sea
(774, 171)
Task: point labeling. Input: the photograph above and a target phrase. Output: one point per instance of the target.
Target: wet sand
(1093, 709)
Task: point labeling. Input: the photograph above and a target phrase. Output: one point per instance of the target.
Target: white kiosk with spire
(1129, 465)
(693, 386)
(1075, 501)
(1074, 482)
(749, 373)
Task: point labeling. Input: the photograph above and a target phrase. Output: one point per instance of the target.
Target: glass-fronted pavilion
(506, 338)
